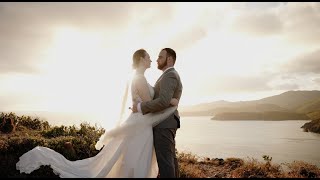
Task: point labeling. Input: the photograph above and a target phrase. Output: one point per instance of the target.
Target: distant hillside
(210, 109)
(310, 107)
(266, 116)
(312, 110)
(314, 115)
(196, 113)
(289, 102)
(203, 107)
(292, 99)
(248, 107)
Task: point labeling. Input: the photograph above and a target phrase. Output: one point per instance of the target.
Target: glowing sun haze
(66, 56)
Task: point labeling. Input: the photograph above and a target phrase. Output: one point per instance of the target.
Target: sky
(68, 56)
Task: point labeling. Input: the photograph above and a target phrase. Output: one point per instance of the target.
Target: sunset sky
(67, 56)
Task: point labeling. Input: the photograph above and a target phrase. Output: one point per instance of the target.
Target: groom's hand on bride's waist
(134, 108)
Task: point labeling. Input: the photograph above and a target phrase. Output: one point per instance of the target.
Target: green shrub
(27, 121)
(55, 132)
(7, 122)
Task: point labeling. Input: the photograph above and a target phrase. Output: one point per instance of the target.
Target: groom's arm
(167, 88)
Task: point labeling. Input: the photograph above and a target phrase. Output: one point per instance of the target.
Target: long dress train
(128, 152)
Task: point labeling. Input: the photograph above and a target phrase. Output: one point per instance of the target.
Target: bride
(127, 149)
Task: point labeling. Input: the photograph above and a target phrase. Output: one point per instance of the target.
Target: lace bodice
(134, 92)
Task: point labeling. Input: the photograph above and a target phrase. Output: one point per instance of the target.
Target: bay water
(284, 141)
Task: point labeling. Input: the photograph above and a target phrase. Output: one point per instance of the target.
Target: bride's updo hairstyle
(136, 57)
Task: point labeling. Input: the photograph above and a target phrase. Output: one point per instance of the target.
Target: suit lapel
(163, 75)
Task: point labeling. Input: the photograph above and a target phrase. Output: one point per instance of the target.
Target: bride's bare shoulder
(139, 76)
(139, 79)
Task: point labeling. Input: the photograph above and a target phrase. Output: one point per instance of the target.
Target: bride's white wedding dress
(128, 152)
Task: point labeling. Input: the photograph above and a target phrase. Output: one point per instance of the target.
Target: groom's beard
(161, 66)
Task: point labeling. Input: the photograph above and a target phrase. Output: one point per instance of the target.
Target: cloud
(306, 63)
(301, 21)
(251, 84)
(259, 23)
(234, 84)
(27, 29)
(148, 15)
(317, 80)
(262, 5)
(286, 86)
(187, 38)
(83, 14)
(295, 21)
(13, 101)
(19, 51)
(148, 20)
(294, 81)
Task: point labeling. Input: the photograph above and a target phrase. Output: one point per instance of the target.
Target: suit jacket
(168, 86)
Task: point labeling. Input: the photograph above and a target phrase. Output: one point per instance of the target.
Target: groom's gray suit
(167, 87)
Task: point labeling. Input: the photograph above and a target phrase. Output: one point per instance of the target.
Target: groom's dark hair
(172, 53)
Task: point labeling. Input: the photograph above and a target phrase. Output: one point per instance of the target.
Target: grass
(192, 166)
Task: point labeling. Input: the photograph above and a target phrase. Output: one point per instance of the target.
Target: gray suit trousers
(164, 142)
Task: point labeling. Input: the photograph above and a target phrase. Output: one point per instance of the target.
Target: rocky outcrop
(313, 126)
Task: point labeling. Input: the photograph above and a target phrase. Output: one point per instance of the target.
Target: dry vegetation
(192, 166)
(20, 134)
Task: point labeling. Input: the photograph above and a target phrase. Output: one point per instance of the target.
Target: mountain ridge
(290, 102)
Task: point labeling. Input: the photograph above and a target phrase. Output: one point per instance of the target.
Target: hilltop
(291, 101)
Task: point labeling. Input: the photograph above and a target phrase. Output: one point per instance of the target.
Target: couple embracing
(141, 146)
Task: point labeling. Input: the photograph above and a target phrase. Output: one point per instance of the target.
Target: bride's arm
(144, 93)
(141, 85)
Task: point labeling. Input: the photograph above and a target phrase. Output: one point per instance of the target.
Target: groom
(168, 86)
